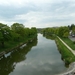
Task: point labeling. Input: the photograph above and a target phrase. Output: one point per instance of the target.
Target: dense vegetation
(14, 35)
(60, 31)
(72, 29)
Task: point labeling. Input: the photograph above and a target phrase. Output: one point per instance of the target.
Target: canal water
(39, 57)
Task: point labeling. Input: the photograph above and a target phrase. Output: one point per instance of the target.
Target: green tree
(73, 30)
(66, 34)
(33, 31)
(63, 31)
(18, 30)
(4, 34)
(71, 27)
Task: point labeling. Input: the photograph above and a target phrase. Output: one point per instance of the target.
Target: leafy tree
(17, 26)
(15, 36)
(4, 34)
(71, 27)
(63, 31)
(33, 31)
(18, 30)
(73, 30)
(66, 34)
(27, 32)
(56, 30)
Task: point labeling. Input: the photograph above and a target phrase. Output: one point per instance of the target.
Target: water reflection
(43, 59)
(9, 61)
(34, 59)
(51, 37)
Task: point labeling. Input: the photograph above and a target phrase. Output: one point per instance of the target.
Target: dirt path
(67, 46)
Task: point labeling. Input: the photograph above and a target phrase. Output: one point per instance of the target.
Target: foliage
(60, 31)
(72, 29)
(18, 28)
(4, 34)
(74, 42)
(16, 33)
(63, 32)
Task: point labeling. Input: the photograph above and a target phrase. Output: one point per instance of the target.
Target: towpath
(72, 71)
(67, 45)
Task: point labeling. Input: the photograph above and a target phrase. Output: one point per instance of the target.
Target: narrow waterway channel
(39, 57)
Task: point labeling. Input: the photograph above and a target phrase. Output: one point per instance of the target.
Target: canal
(39, 57)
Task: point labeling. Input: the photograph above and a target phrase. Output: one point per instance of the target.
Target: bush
(74, 42)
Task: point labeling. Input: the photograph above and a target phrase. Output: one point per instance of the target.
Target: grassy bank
(67, 55)
(69, 42)
(13, 44)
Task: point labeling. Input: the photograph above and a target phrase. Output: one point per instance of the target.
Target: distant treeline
(16, 33)
(63, 31)
(60, 31)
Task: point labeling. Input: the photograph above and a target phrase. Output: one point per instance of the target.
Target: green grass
(13, 44)
(69, 43)
(67, 55)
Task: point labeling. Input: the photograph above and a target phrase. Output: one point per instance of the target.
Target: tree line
(15, 33)
(60, 31)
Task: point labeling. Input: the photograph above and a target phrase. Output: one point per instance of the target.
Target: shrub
(74, 42)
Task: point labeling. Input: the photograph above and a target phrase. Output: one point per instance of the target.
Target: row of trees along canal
(62, 32)
(14, 35)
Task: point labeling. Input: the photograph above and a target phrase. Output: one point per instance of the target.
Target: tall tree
(63, 31)
(18, 29)
(4, 34)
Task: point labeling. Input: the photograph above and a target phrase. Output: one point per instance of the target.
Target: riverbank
(69, 42)
(7, 50)
(67, 56)
(69, 48)
(71, 70)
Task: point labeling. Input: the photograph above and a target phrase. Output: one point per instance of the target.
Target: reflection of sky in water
(43, 59)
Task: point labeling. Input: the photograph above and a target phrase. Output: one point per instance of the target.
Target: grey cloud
(54, 12)
(9, 12)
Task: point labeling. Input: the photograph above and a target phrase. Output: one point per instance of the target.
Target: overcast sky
(38, 13)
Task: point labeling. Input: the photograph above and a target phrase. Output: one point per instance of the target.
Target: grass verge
(67, 55)
(69, 42)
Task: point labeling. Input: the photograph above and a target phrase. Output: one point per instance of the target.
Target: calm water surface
(40, 57)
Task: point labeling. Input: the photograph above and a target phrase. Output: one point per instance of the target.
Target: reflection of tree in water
(52, 37)
(8, 64)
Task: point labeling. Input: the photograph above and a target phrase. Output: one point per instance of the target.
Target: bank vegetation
(12, 36)
(63, 33)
